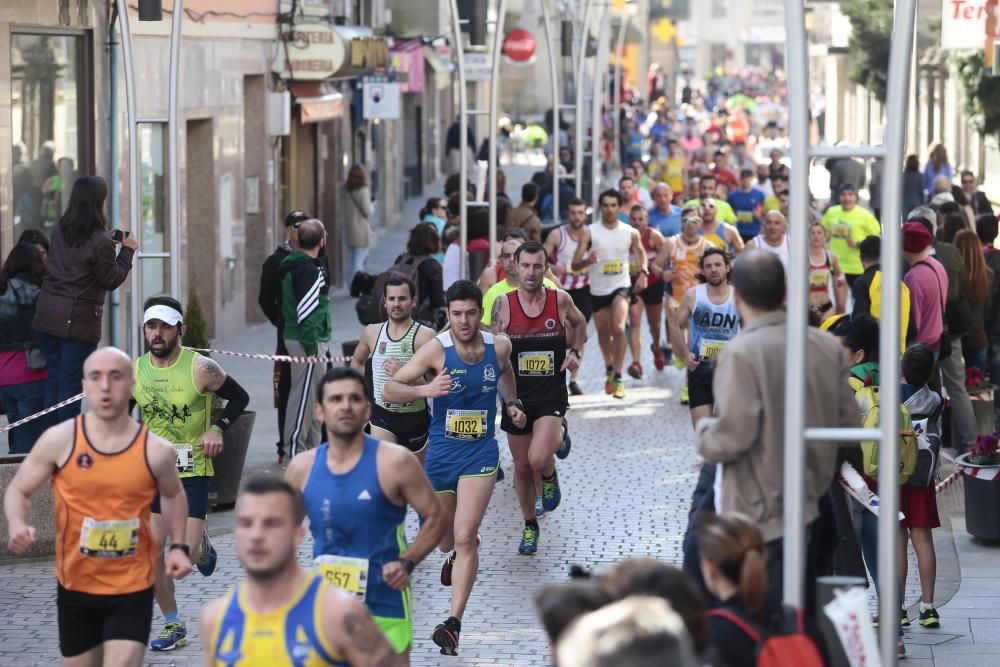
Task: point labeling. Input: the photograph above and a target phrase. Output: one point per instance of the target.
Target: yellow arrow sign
(664, 30)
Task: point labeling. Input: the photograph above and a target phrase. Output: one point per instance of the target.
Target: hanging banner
(963, 24)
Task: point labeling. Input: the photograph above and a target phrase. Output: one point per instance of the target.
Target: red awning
(318, 101)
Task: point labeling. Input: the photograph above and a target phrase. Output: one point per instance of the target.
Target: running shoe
(539, 508)
(609, 383)
(685, 399)
(446, 635)
(574, 389)
(551, 495)
(658, 359)
(619, 388)
(567, 442)
(635, 370)
(904, 619)
(929, 617)
(209, 556)
(529, 542)
(446, 569)
(174, 635)
(500, 475)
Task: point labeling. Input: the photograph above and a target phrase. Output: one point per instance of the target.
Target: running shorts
(447, 463)
(700, 385)
(87, 620)
(196, 489)
(533, 413)
(601, 302)
(399, 631)
(651, 296)
(582, 301)
(410, 428)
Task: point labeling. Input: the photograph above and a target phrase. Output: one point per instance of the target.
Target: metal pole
(616, 156)
(795, 360)
(494, 95)
(597, 101)
(114, 205)
(579, 83)
(556, 100)
(463, 131)
(897, 91)
(135, 297)
(173, 127)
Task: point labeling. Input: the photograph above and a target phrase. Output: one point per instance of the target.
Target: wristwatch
(407, 564)
(183, 547)
(574, 351)
(516, 403)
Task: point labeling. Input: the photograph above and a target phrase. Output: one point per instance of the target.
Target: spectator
(845, 171)
(478, 241)
(559, 605)
(358, 233)
(848, 224)
(639, 631)
(986, 229)
(875, 188)
(979, 201)
(81, 268)
(453, 145)
(305, 309)
(953, 224)
(269, 300)
(37, 238)
(434, 212)
(425, 242)
(22, 363)
(937, 165)
(979, 282)
(928, 283)
(746, 437)
(913, 183)
(867, 291)
(525, 216)
(964, 206)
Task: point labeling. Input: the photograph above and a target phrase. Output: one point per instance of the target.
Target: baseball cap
(164, 313)
(295, 217)
(916, 238)
(845, 187)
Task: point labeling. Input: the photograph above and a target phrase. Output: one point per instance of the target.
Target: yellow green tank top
(175, 410)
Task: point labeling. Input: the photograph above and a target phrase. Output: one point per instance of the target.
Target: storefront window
(153, 208)
(50, 121)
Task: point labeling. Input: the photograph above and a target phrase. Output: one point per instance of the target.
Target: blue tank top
(711, 325)
(289, 637)
(356, 530)
(468, 413)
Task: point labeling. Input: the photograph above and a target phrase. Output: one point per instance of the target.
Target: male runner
(173, 389)
(356, 490)
(282, 615)
(774, 238)
(561, 245)
(650, 299)
(610, 243)
(716, 232)
(383, 349)
(709, 312)
(509, 282)
(541, 323)
(471, 368)
(105, 470)
(708, 186)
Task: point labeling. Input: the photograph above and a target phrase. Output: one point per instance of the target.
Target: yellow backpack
(868, 400)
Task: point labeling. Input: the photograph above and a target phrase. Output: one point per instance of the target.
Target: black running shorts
(700, 385)
(581, 299)
(601, 302)
(87, 620)
(410, 428)
(533, 413)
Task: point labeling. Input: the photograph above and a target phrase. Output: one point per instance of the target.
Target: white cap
(165, 314)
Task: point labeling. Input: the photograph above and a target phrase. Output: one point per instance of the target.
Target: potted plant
(981, 468)
(980, 391)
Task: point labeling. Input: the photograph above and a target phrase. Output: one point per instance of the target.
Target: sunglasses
(693, 220)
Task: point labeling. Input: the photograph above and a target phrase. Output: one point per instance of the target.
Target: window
(51, 122)
(153, 209)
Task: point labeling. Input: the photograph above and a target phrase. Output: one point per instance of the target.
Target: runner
(610, 243)
(716, 232)
(541, 343)
(174, 389)
(561, 244)
(105, 469)
(774, 238)
(471, 369)
(356, 490)
(650, 299)
(282, 615)
(491, 275)
(827, 285)
(709, 312)
(383, 349)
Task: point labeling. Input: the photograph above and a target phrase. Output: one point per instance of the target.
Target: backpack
(790, 646)
(928, 455)
(868, 399)
(406, 267)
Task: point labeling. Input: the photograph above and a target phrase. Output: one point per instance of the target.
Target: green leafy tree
(982, 92)
(868, 46)
(194, 324)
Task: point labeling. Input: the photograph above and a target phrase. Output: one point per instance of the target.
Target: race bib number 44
(185, 457)
(348, 574)
(710, 349)
(465, 424)
(109, 539)
(536, 364)
(612, 268)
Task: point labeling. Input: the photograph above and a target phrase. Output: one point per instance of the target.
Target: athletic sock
(925, 606)
(531, 523)
(549, 478)
(608, 369)
(172, 617)
(618, 376)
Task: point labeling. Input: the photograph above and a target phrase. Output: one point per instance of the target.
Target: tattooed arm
(349, 629)
(208, 375)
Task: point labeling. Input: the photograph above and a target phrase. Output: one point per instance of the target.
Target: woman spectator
(425, 242)
(22, 363)
(37, 238)
(937, 165)
(913, 184)
(964, 205)
(82, 267)
(978, 281)
(435, 212)
(478, 242)
(953, 224)
(358, 233)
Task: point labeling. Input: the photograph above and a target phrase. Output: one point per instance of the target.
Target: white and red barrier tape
(42, 413)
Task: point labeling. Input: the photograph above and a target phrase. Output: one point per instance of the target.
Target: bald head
(311, 233)
(941, 184)
(107, 358)
(108, 381)
(759, 280)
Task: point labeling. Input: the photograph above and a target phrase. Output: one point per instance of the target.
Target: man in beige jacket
(747, 434)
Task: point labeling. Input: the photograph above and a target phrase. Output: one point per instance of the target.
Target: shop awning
(407, 59)
(318, 101)
(442, 68)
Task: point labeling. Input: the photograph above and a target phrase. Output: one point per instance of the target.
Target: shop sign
(963, 24)
(314, 52)
(380, 99)
(519, 45)
(369, 53)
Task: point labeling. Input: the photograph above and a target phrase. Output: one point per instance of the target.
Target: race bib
(348, 574)
(185, 457)
(744, 216)
(819, 278)
(465, 424)
(536, 364)
(612, 268)
(710, 349)
(840, 230)
(109, 539)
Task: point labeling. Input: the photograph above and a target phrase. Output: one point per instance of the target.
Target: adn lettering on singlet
(467, 414)
(538, 350)
(401, 350)
(612, 248)
(711, 325)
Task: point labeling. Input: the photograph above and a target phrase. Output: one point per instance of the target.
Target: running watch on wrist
(574, 351)
(183, 547)
(516, 403)
(407, 564)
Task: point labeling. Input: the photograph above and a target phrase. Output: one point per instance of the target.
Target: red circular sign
(519, 45)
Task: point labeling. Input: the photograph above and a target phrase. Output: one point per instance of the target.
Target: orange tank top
(102, 506)
(686, 260)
